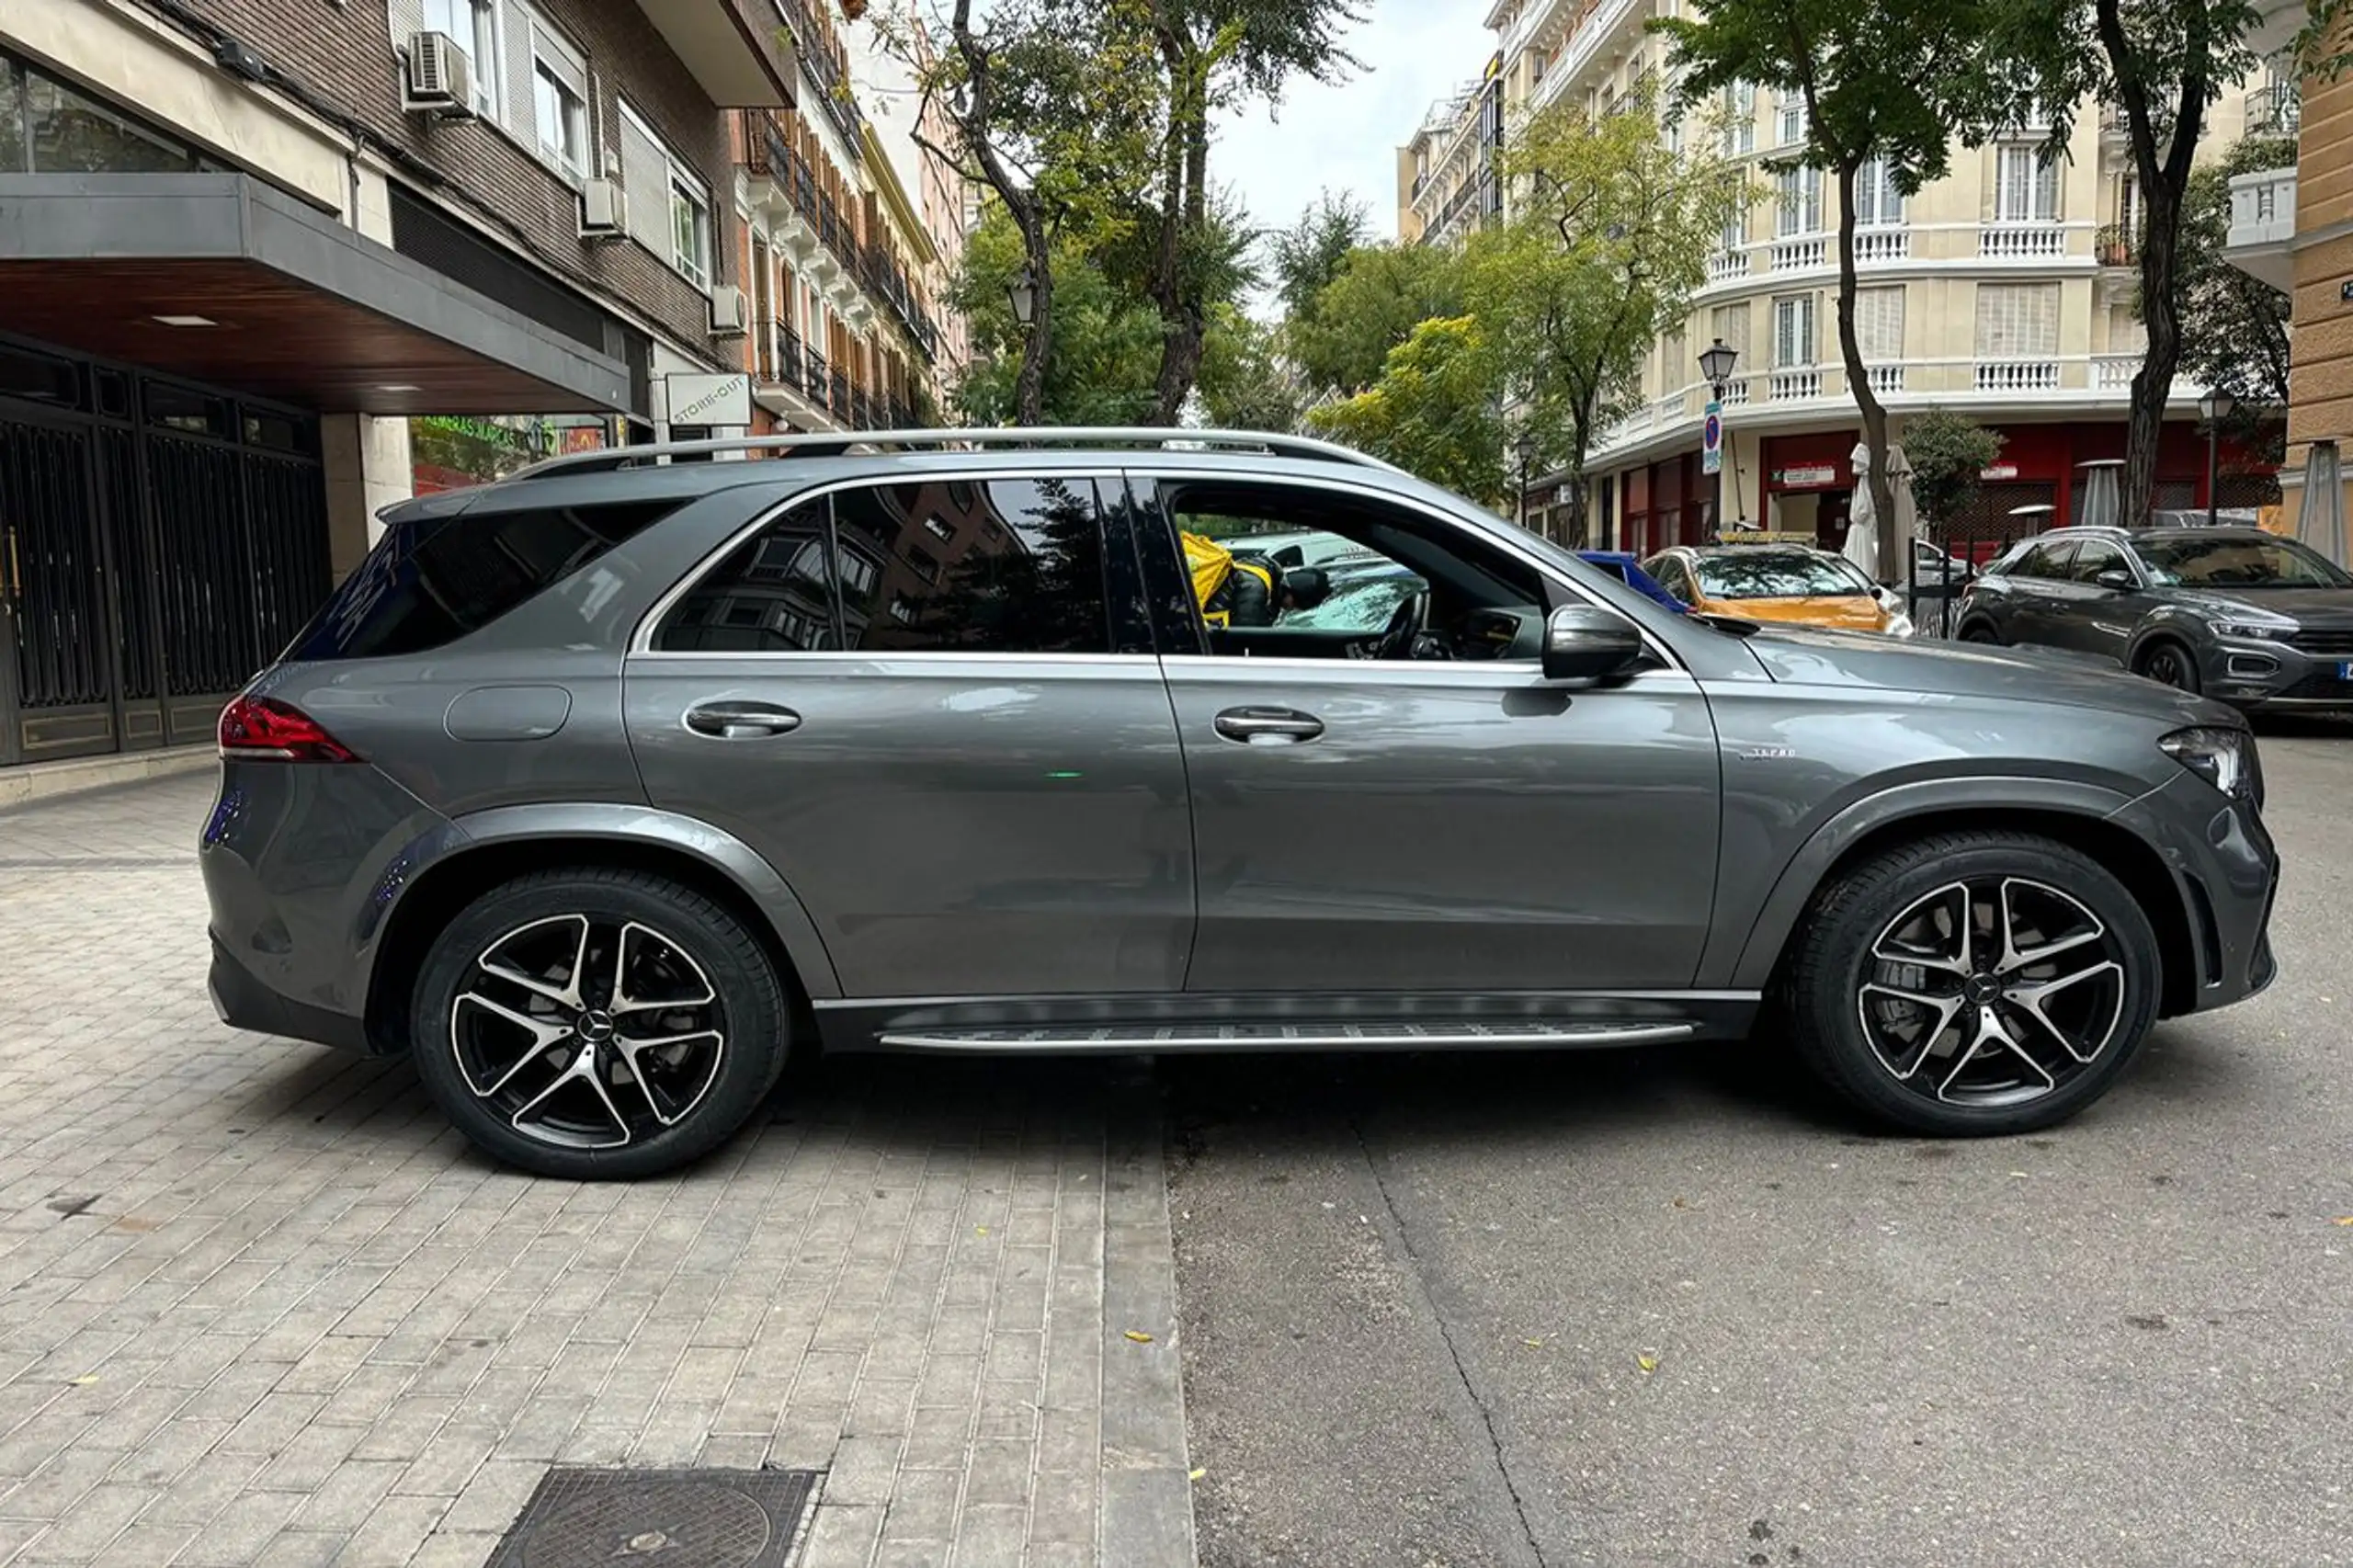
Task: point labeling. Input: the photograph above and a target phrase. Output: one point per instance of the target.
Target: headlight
(2224, 758)
(2254, 630)
(1899, 625)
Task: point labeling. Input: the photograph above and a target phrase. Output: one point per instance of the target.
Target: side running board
(1293, 1036)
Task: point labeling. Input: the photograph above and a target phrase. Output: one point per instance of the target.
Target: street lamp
(1525, 450)
(2216, 405)
(1023, 293)
(1716, 362)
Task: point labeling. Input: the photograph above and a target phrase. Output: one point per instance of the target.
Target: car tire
(598, 1023)
(1889, 929)
(1980, 631)
(2169, 663)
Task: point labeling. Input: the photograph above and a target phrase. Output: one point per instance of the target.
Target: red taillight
(261, 727)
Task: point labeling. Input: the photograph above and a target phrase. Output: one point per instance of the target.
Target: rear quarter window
(429, 582)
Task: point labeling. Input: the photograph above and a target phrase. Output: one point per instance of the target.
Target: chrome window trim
(640, 640)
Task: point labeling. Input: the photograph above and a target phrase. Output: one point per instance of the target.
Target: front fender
(617, 823)
(1742, 953)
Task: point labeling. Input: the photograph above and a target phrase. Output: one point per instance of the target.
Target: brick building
(250, 249)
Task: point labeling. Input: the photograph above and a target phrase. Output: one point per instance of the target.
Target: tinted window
(2044, 561)
(431, 582)
(772, 595)
(2091, 558)
(71, 134)
(1008, 566)
(2237, 561)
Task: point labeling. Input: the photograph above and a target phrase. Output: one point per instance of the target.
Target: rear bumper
(244, 1001)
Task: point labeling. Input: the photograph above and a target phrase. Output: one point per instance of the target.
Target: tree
(1884, 88)
(1378, 296)
(1106, 353)
(1244, 383)
(1612, 234)
(2233, 325)
(1947, 453)
(1309, 254)
(1212, 54)
(2159, 64)
(1434, 411)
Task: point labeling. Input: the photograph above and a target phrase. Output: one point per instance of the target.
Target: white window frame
(1875, 326)
(2026, 184)
(1792, 122)
(1877, 204)
(557, 66)
(1740, 130)
(1797, 204)
(680, 184)
(480, 42)
(1800, 307)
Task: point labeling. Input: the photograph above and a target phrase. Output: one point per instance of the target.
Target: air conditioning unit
(728, 311)
(604, 210)
(440, 81)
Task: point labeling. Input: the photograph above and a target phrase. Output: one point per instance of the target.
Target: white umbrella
(1862, 515)
(2321, 522)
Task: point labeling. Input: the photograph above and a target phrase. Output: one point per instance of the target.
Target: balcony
(2017, 375)
(2035, 240)
(2275, 110)
(820, 58)
(2263, 226)
(1875, 245)
(1884, 378)
(2116, 244)
(1787, 384)
(1725, 266)
(1799, 255)
(730, 48)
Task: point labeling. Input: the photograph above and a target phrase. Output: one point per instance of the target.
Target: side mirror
(1585, 642)
(2117, 578)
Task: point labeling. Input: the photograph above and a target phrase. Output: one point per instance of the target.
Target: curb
(46, 780)
(1147, 1517)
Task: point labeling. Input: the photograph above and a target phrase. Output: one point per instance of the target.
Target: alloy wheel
(2168, 666)
(1992, 991)
(586, 1032)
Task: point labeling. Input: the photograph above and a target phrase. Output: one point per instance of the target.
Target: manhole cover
(658, 1519)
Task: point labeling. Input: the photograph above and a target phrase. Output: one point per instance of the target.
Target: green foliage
(1243, 384)
(1309, 254)
(1106, 337)
(2233, 325)
(1947, 453)
(1433, 411)
(1378, 294)
(1611, 238)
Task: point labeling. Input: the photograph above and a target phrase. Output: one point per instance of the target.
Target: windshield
(2239, 562)
(1785, 574)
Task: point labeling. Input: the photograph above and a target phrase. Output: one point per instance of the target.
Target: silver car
(599, 790)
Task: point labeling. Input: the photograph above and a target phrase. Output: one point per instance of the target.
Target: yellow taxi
(1786, 583)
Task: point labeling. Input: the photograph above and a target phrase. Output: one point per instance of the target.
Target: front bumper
(2248, 674)
(2226, 873)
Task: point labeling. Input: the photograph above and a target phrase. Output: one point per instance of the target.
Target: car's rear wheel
(1980, 632)
(2170, 663)
(1975, 984)
(598, 1023)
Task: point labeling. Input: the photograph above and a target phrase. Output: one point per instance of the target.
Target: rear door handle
(740, 721)
(1281, 726)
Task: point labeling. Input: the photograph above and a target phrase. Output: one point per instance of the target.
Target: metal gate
(158, 544)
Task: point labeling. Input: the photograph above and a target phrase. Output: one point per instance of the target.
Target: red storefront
(1663, 504)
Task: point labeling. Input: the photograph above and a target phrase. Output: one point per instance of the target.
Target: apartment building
(244, 243)
(2002, 292)
(2293, 227)
(1446, 181)
(845, 259)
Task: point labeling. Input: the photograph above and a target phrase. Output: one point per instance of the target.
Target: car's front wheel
(1974, 984)
(598, 1023)
(2169, 664)
(1980, 631)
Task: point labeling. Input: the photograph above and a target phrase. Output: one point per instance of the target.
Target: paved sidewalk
(259, 1305)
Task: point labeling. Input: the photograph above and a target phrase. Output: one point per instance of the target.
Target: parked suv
(2246, 615)
(600, 790)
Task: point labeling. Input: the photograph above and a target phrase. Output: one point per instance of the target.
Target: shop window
(37, 378)
(13, 155)
(277, 432)
(71, 134)
(190, 413)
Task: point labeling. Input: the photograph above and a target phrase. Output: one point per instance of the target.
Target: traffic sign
(1711, 440)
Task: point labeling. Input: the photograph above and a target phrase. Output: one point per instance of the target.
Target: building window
(473, 26)
(1792, 119)
(1878, 203)
(2026, 185)
(669, 208)
(1879, 325)
(1740, 128)
(1731, 324)
(48, 128)
(1800, 208)
(2017, 321)
(559, 96)
(1792, 332)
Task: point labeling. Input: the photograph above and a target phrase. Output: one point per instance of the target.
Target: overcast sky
(1347, 136)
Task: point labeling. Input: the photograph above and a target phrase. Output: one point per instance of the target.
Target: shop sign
(1806, 476)
(1999, 470)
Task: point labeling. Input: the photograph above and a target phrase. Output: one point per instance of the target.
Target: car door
(914, 699)
(1368, 825)
(2087, 616)
(2026, 608)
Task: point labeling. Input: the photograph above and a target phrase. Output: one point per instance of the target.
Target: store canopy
(227, 280)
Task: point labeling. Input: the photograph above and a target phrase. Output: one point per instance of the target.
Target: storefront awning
(223, 279)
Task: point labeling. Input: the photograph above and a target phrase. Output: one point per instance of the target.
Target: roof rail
(833, 443)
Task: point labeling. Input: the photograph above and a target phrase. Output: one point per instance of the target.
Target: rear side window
(1006, 566)
(432, 581)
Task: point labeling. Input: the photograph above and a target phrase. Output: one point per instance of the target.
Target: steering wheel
(1406, 625)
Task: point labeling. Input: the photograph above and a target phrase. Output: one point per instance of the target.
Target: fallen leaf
(85, 1380)
(1647, 1362)
(980, 1230)
(2022, 1175)
(2343, 1220)
(1139, 1336)
(1195, 1474)
(1533, 1344)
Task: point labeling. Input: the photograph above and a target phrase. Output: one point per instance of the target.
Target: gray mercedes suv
(598, 790)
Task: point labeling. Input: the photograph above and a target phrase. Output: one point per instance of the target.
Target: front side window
(2091, 558)
(2044, 562)
(1024, 573)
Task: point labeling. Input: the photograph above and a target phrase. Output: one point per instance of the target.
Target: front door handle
(1279, 726)
(740, 721)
